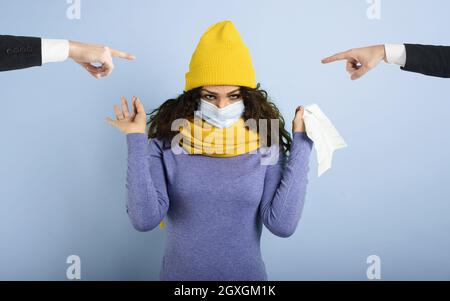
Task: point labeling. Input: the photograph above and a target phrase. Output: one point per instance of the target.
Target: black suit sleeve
(19, 52)
(428, 60)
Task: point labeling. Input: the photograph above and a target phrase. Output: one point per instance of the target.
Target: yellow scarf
(200, 137)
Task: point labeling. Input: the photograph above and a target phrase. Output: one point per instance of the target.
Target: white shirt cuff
(54, 50)
(395, 54)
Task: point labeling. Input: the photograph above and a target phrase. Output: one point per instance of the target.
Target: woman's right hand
(126, 122)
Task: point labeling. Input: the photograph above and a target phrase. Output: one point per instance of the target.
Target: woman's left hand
(298, 125)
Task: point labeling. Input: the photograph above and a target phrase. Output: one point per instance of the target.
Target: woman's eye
(209, 97)
(235, 96)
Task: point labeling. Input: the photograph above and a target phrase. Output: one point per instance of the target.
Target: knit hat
(221, 58)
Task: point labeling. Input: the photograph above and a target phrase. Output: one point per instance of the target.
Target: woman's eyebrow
(237, 90)
(216, 93)
(209, 91)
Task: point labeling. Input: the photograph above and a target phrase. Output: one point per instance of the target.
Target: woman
(215, 202)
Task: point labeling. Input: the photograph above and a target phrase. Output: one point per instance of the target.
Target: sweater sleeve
(285, 187)
(147, 199)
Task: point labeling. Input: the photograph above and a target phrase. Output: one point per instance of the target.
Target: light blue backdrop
(63, 168)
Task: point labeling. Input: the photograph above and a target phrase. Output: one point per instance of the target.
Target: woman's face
(221, 96)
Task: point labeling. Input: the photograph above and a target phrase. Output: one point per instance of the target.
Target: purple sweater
(213, 207)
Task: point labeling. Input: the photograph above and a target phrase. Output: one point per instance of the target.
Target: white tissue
(325, 136)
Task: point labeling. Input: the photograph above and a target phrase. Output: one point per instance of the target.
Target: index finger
(121, 54)
(337, 57)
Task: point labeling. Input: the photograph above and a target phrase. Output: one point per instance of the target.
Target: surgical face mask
(221, 118)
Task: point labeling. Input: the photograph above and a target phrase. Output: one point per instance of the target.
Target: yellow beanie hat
(221, 58)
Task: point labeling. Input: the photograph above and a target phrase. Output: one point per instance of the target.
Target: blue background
(63, 168)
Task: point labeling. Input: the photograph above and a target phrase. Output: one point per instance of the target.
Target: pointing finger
(337, 57)
(122, 55)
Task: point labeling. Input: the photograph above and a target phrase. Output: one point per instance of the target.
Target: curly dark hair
(256, 102)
